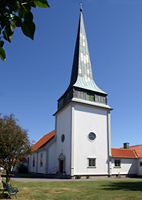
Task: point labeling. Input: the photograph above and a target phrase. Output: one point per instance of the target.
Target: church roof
(43, 141)
(82, 76)
(124, 153)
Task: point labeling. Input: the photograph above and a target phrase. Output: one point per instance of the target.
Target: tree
(17, 13)
(14, 144)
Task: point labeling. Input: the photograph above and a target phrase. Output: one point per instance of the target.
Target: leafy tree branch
(17, 13)
(14, 144)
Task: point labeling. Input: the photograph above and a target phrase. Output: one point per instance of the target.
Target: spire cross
(81, 4)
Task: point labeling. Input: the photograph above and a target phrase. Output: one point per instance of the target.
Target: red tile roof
(126, 153)
(43, 141)
(138, 150)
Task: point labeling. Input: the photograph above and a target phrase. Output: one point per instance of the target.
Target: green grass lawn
(97, 190)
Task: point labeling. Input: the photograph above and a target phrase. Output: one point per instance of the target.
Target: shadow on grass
(125, 186)
(24, 176)
(3, 195)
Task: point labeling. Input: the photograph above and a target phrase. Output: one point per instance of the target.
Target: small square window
(117, 163)
(92, 162)
(140, 164)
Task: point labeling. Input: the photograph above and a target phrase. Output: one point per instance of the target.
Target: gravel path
(20, 179)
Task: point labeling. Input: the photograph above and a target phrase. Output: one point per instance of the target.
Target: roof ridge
(135, 153)
(123, 149)
(136, 145)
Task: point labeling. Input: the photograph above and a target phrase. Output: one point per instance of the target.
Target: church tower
(82, 123)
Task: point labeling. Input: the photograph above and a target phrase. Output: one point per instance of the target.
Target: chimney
(126, 145)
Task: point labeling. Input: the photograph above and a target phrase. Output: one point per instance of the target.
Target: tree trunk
(0, 177)
(8, 173)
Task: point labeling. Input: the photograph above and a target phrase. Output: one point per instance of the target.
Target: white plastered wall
(139, 167)
(51, 162)
(90, 119)
(63, 126)
(128, 166)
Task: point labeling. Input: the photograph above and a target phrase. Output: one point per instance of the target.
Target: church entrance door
(61, 165)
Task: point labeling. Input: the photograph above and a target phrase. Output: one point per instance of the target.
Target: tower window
(90, 96)
(100, 99)
(62, 137)
(92, 136)
(92, 162)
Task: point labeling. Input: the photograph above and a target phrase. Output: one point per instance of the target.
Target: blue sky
(36, 73)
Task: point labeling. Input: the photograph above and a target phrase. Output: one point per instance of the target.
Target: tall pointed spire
(82, 85)
(82, 76)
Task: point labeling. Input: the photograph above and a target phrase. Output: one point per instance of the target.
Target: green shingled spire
(82, 85)
(82, 71)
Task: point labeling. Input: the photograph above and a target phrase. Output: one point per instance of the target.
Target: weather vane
(81, 9)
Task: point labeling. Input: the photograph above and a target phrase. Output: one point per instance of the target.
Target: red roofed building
(127, 160)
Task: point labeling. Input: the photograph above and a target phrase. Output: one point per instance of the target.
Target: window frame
(90, 137)
(33, 160)
(117, 163)
(91, 162)
(41, 159)
(62, 138)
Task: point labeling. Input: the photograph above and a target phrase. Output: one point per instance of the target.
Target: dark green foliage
(28, 28)
(2, 54)
(14, 144)
(78, 176)
(22, 169)
(87, 176)
(17, 13)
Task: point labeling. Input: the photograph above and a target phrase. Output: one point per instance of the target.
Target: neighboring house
(127, 160)
(80, 144)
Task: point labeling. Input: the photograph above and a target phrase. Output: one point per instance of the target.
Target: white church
(81, 141)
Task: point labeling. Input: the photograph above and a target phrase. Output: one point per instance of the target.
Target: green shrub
(78, 176)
